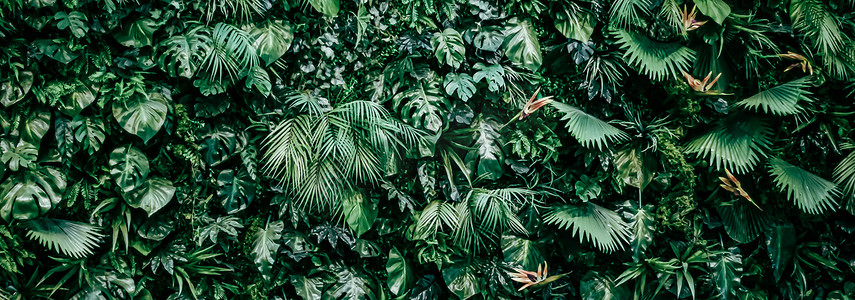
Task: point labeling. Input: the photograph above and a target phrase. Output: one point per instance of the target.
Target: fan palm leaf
(811, 193)
(71, 238)
(625, 13)
(844, 173)
(602, 227)
(654, 59)
(736, 144)
(587, 129)
(780, 100)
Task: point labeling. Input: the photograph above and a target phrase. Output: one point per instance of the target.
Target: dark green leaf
(152, 195)
(400, 277)
(129, 167)
(142, 115)
(781, 243)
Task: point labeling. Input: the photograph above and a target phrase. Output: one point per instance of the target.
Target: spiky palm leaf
(780, 100)
(625, 13)
(71, 238)
(591, 222)
(435, 216)
(654, 59)
(587, 129)
(814, 19)
(811, 193)
(736, 144)
(844, 173)
(232, 53)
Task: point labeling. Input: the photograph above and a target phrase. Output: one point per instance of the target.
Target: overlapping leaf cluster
(329, 149)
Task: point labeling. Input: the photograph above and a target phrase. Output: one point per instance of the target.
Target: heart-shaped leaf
(130, 167)
(142, 115)
(30, 194)
(152, 195)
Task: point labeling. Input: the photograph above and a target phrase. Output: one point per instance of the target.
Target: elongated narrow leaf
(71, 238)
(593, 223)
(781, 243)
(780, 100)
(587, 129)
(844, 173)
(811, 193)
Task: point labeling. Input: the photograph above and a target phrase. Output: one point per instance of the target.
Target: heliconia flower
(534, 279)
(802, 61)
(689, 21)
(533, 105)
(702, 86)
(732, 185)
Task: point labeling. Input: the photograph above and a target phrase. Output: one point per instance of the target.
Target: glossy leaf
(400, 277)
(521, 44)
(152, 195)
(129, 167)
(27, 195)
(142, 115)
(448, 47)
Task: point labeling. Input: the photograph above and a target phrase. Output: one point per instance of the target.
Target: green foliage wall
(427, 149)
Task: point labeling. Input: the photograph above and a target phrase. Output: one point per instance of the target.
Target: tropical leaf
(780, 100)
(183, 54)
(574, 23)
(781, 244)
(359, 212)
(461, 281)
(307, 288)
(232, 53)
(635, 168)
(462, 84)
(811, 193)
(487, 156)
(625, 13)
(587, 129)
(494, 74)
(426, 107)
(657, 60)
(142, 115)
(737, 144)
(595, 286)
(137, 33)
(266, 246)
(643, 228)
(71, 238)
(718, 10)
(272, 40)
(593, 223)
(236, 189)
(90, 131)
(522, 252)
(29, 194)
(152, 195)
(400, 277)
(329, 8)
(79, 99)
(844, 173)
(488, 38)
(75, 21)
(20, 156)
(259, 79)
(743, 222)
(350, 285)
(521, 44)
(448, 47)
(726, 272)
(223, 224)
(129, 167)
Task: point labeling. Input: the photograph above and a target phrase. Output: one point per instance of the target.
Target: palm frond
(844, 173)
(307, 102)
(287, 150)
(780, 100)
(71, 238)
(587, 129)
(811, 193)
(654, 59)
(435, 216)
(591, 222)
(232, 53)
(736, 144)
(625, 13)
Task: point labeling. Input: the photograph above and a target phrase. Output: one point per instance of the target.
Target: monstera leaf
(35, 127)
(90, 131)
(488, 154)
(448, 47)
(56, 50)
(488, 38)
(426, 108)
(462, 84)
(75, 21)
(400, 277)
(79, 99)
(359, 212)
(327, 7)
(142, 115)
(30, 194)
(271, 40)
(461, 280)
(266, 246)
(137, 33)
(17, 156)
(130, 167)
(152, 195)
(236, 190)
(183, 54)
(521, 44)
(14, 90)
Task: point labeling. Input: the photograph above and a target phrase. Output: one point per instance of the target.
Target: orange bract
(702, 87)
(533, 105)
(689, 22)
(802, 61)
(732, 185)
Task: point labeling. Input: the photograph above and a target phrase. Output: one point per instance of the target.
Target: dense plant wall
(427, 149)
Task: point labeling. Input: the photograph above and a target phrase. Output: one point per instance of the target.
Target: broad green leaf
(71, 238)
(152, 195)
(448, 47)
(726, 272)
(718, 10)
(307, 288)
(20, 156)
(811, 193)
(521, 44)
(272, 40)
(327, 7)
(494, 74)
(400, 277)
(781, 243)
(57, 50)
(137, 33)
(426, 107)
(520, 251)
(27, 195)
(181, 55)
(489, 38)
(90, 131)
(634, 168)
(79, 99)
(489, 159)
(359, 212)
(350, 285)
(577, 25)
(236, 190)
(461, 281)
(34, 127)
(643, 229)
(75, 21)
(743, 222)
(460, 83)
(588, 188)
(266, 246)
(15, 88)
(596, 287)
(142, 115)
(129, 167)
